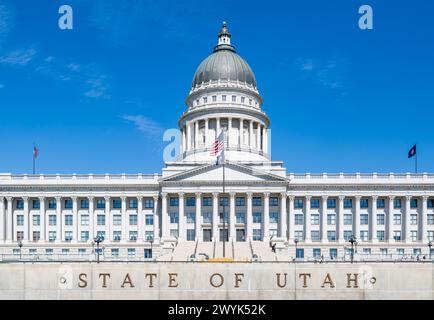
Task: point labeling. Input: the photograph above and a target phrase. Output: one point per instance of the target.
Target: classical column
(240, 133)
(265, 142)
(206, 133)
(340, 226)
(198, 216)
(251, 137)
(140, 224)
(424, 220)
(266, 224)
(258, 136)
(2, 219)
(75, 220)
(217, 127)
(107, 213)
(230, 132)
(356, 222)
(373, 219)
(324, 219)
(232, 218)
(59, 222)
(196, 134)
(9, 219)
(307, 220)
(42, 212)
(26, 213)
(249, 217)
(181, 218)
(124, 218)
(407, 219)
(164, 217)
(188, 126)
(91, 218)
(291, 219)
(156, 220)
(390, 218)
(215, 215)
(283, 217)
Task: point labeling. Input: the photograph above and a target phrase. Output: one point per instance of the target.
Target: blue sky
(98, 98)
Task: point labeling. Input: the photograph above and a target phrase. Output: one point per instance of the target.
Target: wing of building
(183, 213)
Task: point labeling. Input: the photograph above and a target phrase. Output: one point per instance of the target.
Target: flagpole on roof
(34, 147)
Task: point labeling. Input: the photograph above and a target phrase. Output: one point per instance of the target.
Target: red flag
(35, 152)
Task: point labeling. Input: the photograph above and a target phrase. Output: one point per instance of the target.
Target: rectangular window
(397, 235)
(117, 203)
(430, 235)
(52, 219)
(174, 201)
(413, 235)
(331, 219)
(299, 235)
(430, 203)
(430, 219)
(100, 220)
(367, 251)
(314, 219)
(274, 201)
(314, 234)
(36, 235)
(149, 235)
(298, 203)
(32, 251)
(364, 219)
(234, 98)
(52, 204)
(81, 251)
(100, 204)
(223, 98)
(413, 219)
(331, 235)
(174, 233)
(381, 203)
(214, 98)
(68, 204)
(68, 220)
(380, 219)
(36, 204)
(20, 220)
(191, 217)
(133, 236)
(49, 252)
(274, 217)
(257, 236)
(20, 235)
(380, 235)
(257, 201)
(20, 204)
(173, 217)
(52, 236)
(84, 220)
(243, 99)
(149, 219)
(347, 234)
(257, 217)
(68, 235)
(205, 99)
(133, 219)
(331, 203)
(299, 253)
(117, 235)
(117, 220)
(299, 220)
(207, 202)
(149, 203)
(240, 201)
(190, 202)
(333, 253)
(397, 219)
(364, 203)
(191, 234)
(314, 203)
(348, 219)
(84, 204)
(100, 234)
(36, 220)
(207, 217)
(316, 252)
(115, 252)
(147, 253)
(250, 101)
(397, 204)
(364, 235)
(240, 217)
(348, 203)
(383, 251)
(131, 252)
(413, 203)
(132, 203)
(84, 235)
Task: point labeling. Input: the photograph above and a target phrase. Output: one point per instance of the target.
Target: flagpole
(224, 218)
(34, 159)
(415, 162)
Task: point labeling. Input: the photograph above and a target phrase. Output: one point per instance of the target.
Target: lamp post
(296, 243)
(20, 245)
(353, 241)
(97, 240)
(151, 241)
(429, 248)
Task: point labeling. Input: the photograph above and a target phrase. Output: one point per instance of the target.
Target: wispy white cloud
(330, 73)
(97, 87)
(144, 124)
(6, 21)
(20, 57)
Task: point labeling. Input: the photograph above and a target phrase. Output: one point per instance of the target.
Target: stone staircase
(263, 251)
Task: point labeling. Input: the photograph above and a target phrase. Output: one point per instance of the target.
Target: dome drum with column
(224, 97)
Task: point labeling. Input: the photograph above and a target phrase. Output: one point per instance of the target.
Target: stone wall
(216, 281)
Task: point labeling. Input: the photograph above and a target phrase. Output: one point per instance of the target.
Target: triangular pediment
(232, 172)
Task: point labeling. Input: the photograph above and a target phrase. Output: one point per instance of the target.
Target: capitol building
(264, 212)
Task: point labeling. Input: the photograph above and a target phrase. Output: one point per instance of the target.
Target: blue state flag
(412, 152)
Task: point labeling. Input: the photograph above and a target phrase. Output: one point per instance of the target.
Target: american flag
(35, 152)
(218, 145)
